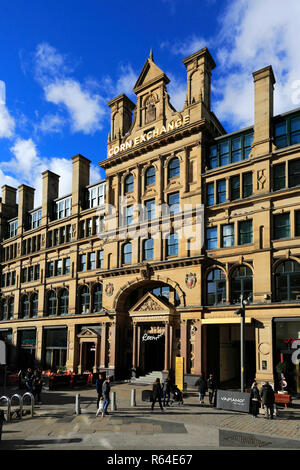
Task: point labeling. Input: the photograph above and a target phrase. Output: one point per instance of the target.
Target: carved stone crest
(109, 289)
(150, 305)
(190, 280)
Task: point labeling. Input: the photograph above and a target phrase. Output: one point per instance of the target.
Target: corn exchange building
(129, 273)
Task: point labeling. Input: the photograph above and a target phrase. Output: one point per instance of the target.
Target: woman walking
(157, 394)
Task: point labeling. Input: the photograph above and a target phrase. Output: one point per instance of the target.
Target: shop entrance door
(153, 353)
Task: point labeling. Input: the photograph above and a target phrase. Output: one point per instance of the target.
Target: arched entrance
(148, 323)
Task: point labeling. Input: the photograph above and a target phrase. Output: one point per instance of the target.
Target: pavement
(191, 426)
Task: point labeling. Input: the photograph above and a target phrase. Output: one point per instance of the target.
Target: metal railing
(21, 405)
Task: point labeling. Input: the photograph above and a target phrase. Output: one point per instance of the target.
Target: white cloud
(51, 123)
(7, 122)
(26, 166)
(83, 107)
(253, 35)
(85, 110)
(187, 47)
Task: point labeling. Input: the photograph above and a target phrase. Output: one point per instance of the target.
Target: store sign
(236, 401)
(147, 337)
(158, 131)
(2, 353)
(26, 343)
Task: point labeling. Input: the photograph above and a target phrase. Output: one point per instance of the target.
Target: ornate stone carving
(261, 179)
(150, 305)
(109, 289)
(190, 280)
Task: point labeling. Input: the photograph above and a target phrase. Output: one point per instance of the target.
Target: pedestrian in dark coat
(211, 387)
(166, 391)
(37, 384)
(105, 394)
(157, 394)
(29, 380)
(268, 399)
(254, 400)
(99, 384)
(201, 384)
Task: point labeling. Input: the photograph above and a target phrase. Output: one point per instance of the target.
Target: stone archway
(144, 308)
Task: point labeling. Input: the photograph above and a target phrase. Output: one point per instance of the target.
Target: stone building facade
(150, 264)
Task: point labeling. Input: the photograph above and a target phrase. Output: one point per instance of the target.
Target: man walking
(157, 394)
(166, 391)
(211, 387)
(29, 380)
(105, 394)
(268, 399)
(200, 383)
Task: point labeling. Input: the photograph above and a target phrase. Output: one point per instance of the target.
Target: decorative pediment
(150, 74)
(150, 304)
(89, 333)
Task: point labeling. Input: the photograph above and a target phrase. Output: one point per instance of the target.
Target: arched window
(3, 312)
(84, 300)
(287, 281)
(128, 184)
(63, 303)
(172, 245)
(126, 253)
(148, 249)
(97, 298)
(216, 287)
(11, 308)
(150, 176)
(34, 305)
(174, 168)
(24, 307)
(51, 303)
(241, 284)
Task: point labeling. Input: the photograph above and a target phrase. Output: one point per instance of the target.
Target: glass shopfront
(55, 348)
(26, 348)
(286, 353)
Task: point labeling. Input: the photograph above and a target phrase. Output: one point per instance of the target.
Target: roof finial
(151, 54)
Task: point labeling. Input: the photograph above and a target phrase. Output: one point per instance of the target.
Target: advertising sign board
(236, 401)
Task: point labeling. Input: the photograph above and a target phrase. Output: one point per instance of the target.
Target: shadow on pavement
(23, 444)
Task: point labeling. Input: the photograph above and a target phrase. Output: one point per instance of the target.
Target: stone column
(167, 347)
(103, 347)
(198, 355)
(80, 360)
(134, 332)
(183, 343)
(71, 357)
(264, 351)
(112, 357)
(138, 349)
(38, 345)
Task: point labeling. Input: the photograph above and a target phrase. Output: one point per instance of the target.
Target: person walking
(99, 384)
(37, 384)
(200, 383)
(105, 394)
(166, 391)
(268, 399)
(29, 380)
(157, 394)
(211, 387)
(254, 400)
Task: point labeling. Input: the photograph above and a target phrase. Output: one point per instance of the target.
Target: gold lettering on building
(150, 135)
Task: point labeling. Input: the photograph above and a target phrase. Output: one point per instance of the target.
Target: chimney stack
(25, 204)
(50, 192)
(80, 179)
(264, 81)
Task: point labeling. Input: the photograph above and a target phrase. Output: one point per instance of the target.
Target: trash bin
(1, 422)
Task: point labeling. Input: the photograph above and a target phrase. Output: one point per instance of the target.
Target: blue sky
(61, 61)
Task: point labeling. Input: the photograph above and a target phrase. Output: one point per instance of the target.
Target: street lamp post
(241, 312)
